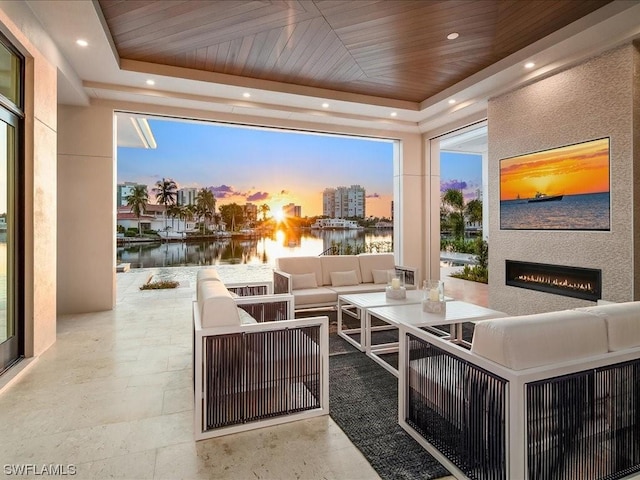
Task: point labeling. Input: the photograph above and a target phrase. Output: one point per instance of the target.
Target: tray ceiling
(385, 48)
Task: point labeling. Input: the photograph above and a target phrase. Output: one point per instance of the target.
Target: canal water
(257, 250)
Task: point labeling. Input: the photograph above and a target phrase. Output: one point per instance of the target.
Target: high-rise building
(187, 196)
(123, 190)
(344, 202)
(292, 210)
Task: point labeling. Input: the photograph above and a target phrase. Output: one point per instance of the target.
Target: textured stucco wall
(591, 100)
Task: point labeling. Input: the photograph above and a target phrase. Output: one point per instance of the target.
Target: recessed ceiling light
(325, 105)
(246, 95)
(452, 101)
(394, 114)
(453, 36)
(82, 43)
(529, 65)
(151, 82)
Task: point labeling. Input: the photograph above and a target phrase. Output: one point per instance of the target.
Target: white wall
(592, 100)
(40, 126)
(86, 210)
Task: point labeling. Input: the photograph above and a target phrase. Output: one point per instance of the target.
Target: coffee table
(356, 304)
(407, 317)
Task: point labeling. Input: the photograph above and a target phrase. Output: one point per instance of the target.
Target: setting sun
(278, 215)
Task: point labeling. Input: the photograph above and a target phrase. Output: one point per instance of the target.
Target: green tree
(138, 200)
(473, 210)
(454, 200)
(166, 192)
(232, 214)
(205, 204)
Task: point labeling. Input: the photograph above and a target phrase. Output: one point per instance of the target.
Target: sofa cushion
(217, 307)
(303, 280)
(530, 341)
(340, 279)
(313, 296)
(301, 265)
(338, 263)
(381, 276)
(374, 261)
(623, 323)
(360, 288)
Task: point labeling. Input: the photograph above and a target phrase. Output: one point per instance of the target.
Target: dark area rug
(364, 403)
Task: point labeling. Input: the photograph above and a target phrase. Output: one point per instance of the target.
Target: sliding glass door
(11, 206)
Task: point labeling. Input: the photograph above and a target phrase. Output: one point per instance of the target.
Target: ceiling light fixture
(394, 114)
(452, 101)
(82, 43)
(529, 65)
(151, 82)
(453, 36)
(246, 95)
(325, 105)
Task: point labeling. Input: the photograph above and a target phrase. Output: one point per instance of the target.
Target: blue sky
(272, 166)
(461, 171)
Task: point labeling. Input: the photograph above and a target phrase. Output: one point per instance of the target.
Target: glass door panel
(9, 346)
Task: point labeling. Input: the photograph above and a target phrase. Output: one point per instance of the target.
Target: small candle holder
(395, 286)
(433, 297)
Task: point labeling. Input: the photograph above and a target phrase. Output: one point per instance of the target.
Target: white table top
(378, 299)
(413, 315)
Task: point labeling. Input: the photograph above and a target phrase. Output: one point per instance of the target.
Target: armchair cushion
(623, 323)
(341, 279)
(217, 307)
(530, 341)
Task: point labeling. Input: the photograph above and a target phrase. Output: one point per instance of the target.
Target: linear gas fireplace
(585, 283)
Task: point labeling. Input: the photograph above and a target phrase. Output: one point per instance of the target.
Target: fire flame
(556, 282)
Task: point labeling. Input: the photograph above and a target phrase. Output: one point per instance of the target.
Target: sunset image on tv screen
(564, 188)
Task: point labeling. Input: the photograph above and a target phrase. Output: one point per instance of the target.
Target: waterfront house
(581, 84)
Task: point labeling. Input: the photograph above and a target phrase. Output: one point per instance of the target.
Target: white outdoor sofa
(253, 365)
(545, 396)
(316, 281)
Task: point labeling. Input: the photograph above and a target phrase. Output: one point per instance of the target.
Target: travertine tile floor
(113, 398)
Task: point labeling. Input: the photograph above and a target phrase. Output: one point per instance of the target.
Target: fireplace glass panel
(577, 282)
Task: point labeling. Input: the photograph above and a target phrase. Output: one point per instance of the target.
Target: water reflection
(260, 250)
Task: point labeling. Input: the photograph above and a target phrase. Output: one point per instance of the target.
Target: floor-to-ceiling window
(11, 318)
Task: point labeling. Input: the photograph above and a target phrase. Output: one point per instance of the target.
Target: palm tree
(454, 199)
(166, 192)
(264, 209)
(137, 200)
(205, 204)
(174, 211)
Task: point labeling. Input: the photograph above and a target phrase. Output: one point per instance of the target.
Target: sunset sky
(251, 165)
(245, 165)
(571, 170)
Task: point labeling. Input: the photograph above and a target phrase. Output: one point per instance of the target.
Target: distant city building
(123, 190)
(292, 210)
(344, 202)
(187, 196)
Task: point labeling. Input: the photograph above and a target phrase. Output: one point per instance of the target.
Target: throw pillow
(381, 276)
(303, 280)
(343, 279)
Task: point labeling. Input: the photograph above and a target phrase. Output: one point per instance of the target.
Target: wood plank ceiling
(386, 48)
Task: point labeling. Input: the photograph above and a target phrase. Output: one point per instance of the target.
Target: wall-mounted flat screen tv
(565, 188)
